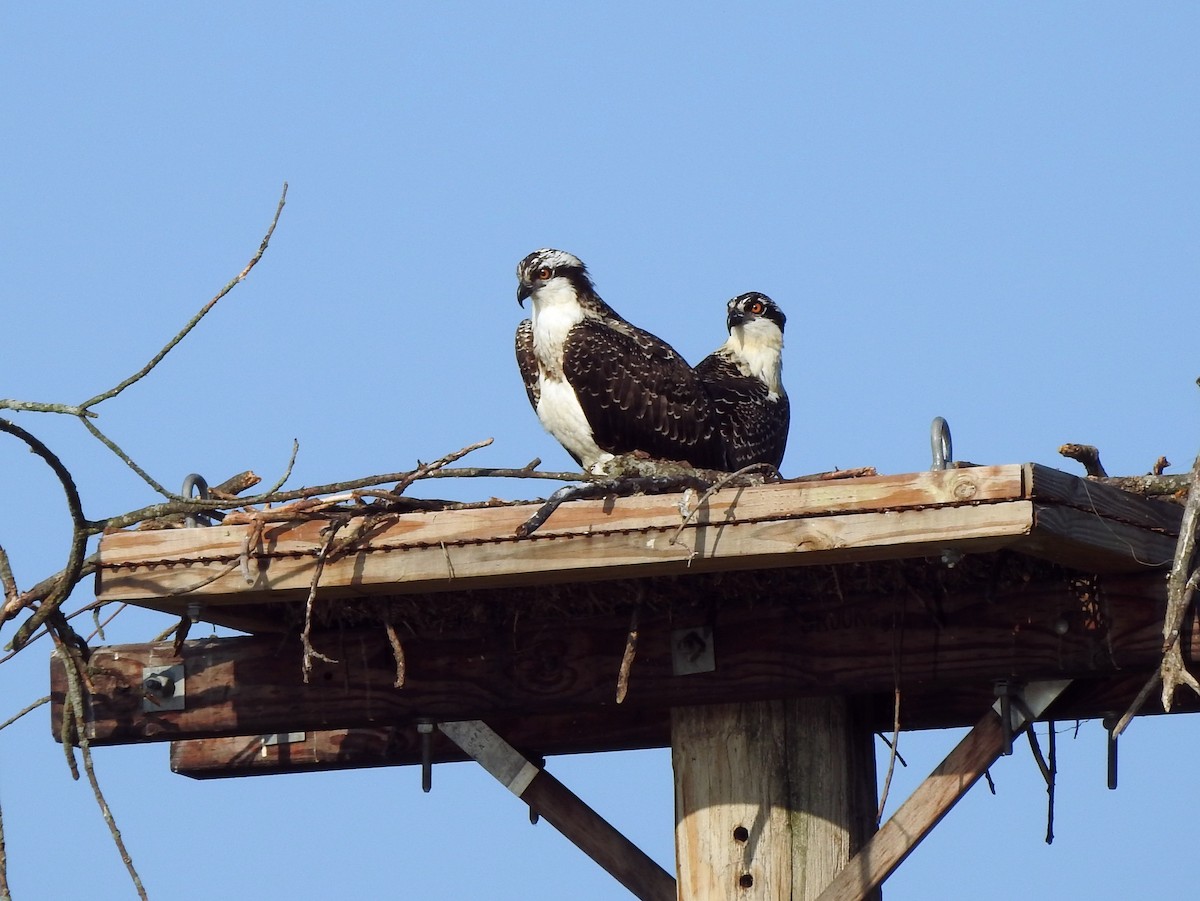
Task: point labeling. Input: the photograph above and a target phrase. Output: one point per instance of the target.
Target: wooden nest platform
(246, 577)
(682, 620)
(938, 584)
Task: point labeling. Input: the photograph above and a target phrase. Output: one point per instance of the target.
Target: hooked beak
(523, 291)
(735, 317)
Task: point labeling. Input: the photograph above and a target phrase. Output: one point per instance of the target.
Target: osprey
(599, 384)
(743, 381)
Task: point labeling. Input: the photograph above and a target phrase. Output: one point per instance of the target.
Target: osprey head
(544, 266)
(745, 309)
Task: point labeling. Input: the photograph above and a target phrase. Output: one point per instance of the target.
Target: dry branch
(397, 653)
(893, 754)
(20, 713)
(70, 573)
(856, 473)
(626, 666)
(46, 598)
(78, 716)
(1086, 454)
(5, 892)
(8, 581)
(733, 478)
(195, 320)
(1181, 587)
(306, 635)
(1166, 487)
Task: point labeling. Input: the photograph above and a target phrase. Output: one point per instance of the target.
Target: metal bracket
(1003, 691)
(692, 651)
(1018, 705)
(162, 687)
(493, 753)
(283, 738)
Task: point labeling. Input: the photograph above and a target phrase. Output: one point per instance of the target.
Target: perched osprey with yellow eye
(743, 380)
(599, 384)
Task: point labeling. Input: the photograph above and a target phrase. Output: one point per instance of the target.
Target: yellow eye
(544, 273)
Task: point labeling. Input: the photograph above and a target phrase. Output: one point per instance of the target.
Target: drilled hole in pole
(741, 834)
(746, 880)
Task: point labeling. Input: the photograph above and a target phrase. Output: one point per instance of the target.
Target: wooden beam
(284, 573)
(1029, 507)
(771, 799)
(338, 749)
(932, 800)
(564, 810)
(1084, 541)
(213, 758)
(856, 645)
(1095, 527)
(1052, 487)
(458, 549)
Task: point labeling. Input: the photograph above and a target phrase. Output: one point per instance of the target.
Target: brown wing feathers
(753, 429)
(635, 392)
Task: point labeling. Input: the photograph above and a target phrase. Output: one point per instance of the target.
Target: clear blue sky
(981, 211)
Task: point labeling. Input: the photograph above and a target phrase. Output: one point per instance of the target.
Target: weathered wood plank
(339, 749)
(1087, 542)
(1052, 487)
(602, 550)
(732, 837)
(1082, 524)
(797, 648)
(768, 800)
(766, 502)
(939, 708)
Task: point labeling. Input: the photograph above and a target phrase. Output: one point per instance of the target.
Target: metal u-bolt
(943, 458)
(943, 447)
(194, 481)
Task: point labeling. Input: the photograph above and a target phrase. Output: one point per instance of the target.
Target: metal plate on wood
(162, 687)
(282, 738)
(692, 651)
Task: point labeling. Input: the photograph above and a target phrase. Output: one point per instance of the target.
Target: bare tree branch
(8, 581)
(127, 460)
(201, 505)
(305, 637)
(49, 595)
(397, 654)
(5, 892)
(194, 321)
(75, 703)
(1087, 455)
(27, 406)
(70, 573)
(1166, 487)
(20, 713)
(893, 754)
(1181, 587)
